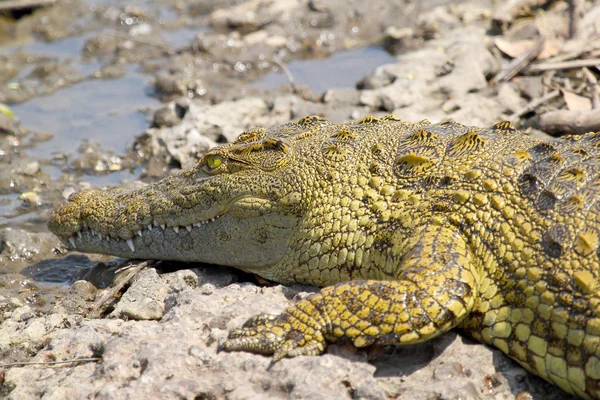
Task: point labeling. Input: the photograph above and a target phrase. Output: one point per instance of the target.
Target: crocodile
(412, 229)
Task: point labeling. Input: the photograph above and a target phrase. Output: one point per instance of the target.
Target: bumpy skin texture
(413, 229)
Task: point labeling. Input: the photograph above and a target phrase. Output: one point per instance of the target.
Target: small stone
(369, 391)
(181, 280)
(338, 96)
(255, 38)
(203, 358)
(35, 331)
(145, 299)
(22, 314)
(165, 117)
(9, 125)
(276, 41)
(228, 386)
(31, 168)
(398, 33)
(68, 191)
(140, 30)
(207, 289)
(31, 199)
(84, 289)
(16, 302)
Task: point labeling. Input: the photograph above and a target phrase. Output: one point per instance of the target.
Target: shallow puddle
(112, 112)
(341, 70)
(103, 111)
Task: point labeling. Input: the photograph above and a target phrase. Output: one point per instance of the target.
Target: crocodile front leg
(436, 287)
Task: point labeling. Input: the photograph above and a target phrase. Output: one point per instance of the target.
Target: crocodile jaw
(185, 217)
(250, 244)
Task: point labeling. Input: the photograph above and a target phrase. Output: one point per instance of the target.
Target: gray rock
(77, 298)
(229, 117)
(176, 358)
(30, 168)
(217, 277)
(15, 243)
(181, 280)
(181, 143)
(338, 96)
(145, 299)
(10, 126)
(22, 314)
(203, 125)
(250, 15)
(165, 117)
(436, 22)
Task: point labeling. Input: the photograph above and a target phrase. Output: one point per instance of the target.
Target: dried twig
(10, 5)
(588, 47)
(547, 81)
(518, 64)
(532, 105)
(16, 364)
(143, 42)
(593, 86)
(564, 65)
(110, 294)
(570, 122)
(575, 17)
(288, 73)
(509, 10)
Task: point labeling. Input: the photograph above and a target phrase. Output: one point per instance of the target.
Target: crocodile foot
(284, 335)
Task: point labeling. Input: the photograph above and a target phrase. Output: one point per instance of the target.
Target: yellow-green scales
(412, 229)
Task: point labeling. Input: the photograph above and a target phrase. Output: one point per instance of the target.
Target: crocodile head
(239, 206)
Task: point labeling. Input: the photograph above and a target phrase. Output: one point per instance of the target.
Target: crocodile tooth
(212, 220)
(149, 227)
(79, 235)
(163, 226)
(176, 229)
(139, 232)
(198, 224)
(156, 223)
(131, 246)
(72, 241)
(100, 235)
(189, 228)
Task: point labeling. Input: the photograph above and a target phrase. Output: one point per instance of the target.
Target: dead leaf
(4, 109)
(551, 48)
(575, 101)
(515, 49)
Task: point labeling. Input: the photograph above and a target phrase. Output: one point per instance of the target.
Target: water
(341, 70)
(108, 112)
(69, 47)
(180, 37)
(102, 111)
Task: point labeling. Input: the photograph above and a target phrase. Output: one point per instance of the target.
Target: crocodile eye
(213, 161)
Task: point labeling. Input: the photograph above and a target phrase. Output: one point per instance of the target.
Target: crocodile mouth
(144, 230)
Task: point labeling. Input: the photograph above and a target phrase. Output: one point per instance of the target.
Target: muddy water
(104, 111)
(112, 112)
(341, 70)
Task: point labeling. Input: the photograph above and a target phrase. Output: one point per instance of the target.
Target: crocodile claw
(281, 335)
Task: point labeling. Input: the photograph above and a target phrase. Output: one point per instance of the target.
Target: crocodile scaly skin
(411, 228)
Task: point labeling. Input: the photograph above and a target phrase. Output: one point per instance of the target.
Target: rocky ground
(158, 337)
